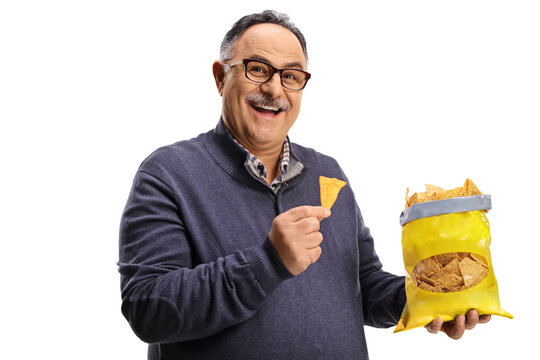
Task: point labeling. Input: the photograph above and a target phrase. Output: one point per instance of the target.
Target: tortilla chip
(431, 189)
(434, 192)
(445, 259)
(438, 289)
(330, 188)
(435, 288)
(473, 272)
(424, 279)
(453, 267)
(448, 194)
(426, 287)
(449, 276)
(407, 204)
(428, 266)
(479, 259)
(450, 281)
(450, 272)
(470, 188)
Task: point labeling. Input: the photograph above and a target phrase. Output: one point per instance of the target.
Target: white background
(403, 93)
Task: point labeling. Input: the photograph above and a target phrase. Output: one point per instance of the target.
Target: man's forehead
(272, 43)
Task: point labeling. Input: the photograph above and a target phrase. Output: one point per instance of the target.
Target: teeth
(273, 108)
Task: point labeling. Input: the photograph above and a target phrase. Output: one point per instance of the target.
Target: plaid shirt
(259, 170)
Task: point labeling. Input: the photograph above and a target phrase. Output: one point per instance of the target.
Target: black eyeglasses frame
(245, 62)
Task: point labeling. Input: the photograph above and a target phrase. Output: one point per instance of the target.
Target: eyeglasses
(261, 72)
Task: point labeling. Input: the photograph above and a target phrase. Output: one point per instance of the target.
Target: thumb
(324, 213)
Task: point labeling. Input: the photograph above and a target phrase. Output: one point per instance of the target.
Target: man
(225, 252)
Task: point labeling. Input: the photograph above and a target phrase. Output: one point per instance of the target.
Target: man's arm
(383, 294)
(167, 299)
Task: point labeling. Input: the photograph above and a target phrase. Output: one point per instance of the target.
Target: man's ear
(218, 69)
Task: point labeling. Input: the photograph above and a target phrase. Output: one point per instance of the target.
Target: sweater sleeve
(165, 298)
(383, 294)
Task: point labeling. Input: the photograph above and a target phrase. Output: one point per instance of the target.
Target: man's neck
(268, 156)
(271, 164)
(270, 159)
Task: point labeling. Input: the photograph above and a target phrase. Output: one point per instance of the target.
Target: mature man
(225, 252)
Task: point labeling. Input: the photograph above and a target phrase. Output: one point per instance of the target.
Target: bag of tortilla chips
(445, 242)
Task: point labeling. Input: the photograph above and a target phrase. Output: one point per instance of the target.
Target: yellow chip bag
(445, 240)
(330, 188)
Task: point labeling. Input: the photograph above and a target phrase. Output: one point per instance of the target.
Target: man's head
(259, 114)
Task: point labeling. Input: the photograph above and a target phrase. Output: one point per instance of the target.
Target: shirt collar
(259, 170)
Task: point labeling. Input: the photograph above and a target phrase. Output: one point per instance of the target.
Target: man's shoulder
(309, 156)
(181, 152)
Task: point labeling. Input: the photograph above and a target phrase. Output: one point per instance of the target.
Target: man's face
(261, 131)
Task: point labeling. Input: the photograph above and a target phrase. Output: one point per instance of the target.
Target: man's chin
(265, 137)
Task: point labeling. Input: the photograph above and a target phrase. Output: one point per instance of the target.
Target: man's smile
(266, 109)
(265, 105)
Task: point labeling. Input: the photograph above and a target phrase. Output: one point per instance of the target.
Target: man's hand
(296, 237)
(457, 327)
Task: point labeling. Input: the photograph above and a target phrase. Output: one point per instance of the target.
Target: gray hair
(265, 17)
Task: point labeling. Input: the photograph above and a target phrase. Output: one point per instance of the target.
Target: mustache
(258, 99)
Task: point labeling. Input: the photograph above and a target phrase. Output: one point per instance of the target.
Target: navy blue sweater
(201, 280)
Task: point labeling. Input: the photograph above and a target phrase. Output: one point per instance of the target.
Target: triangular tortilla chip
(473, 272)
(448, 194)
(427, 267)
(445, 259)
(426, 287)
(449, 280)
(424, 279)
(433, 192)
(470, 188)
(329, 190)
(479, 259)
(407, 203)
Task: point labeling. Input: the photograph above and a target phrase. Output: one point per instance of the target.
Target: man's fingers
(309, 225)
(472, 319)
(314, 240)
(435, 326)
(325, 213)
(301, 212)
(484, 319)
(296, 237)
(456, 328)
(315, 254)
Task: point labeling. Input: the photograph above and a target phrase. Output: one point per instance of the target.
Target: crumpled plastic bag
(448, 262)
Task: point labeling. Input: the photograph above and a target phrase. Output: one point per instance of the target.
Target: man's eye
(289, 76)
(258, 69)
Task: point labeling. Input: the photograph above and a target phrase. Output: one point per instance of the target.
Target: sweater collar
(232, 158)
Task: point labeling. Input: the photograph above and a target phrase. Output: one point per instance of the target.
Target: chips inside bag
(445, 241)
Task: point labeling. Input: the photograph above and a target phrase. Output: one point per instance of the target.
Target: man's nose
(273, 86)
